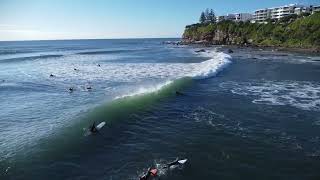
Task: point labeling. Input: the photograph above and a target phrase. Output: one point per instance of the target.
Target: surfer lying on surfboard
(96, 128)
(93, 128)
(152, 172)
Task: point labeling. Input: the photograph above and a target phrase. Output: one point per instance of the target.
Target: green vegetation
(292, 31)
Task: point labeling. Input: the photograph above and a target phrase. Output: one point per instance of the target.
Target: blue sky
(84, 19)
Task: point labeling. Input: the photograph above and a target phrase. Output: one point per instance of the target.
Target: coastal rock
(288, 33)
(201, 50)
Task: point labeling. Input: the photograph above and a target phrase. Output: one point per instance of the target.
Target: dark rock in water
(230, 51)
(201, 50)
(172, 42)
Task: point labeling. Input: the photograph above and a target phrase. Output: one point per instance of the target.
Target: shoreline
(203, 44)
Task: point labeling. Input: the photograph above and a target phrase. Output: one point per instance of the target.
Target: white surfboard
(182, 161)
(99, 126)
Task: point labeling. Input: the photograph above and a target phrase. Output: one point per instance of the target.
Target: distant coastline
(298, 33)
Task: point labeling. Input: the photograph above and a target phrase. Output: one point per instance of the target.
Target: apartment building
(314, 9)
(237, 17)
(261, 15)
(276, 13)
(220, 18)
(300, 10)
(243, 17)
(282, 11)
(230, 17)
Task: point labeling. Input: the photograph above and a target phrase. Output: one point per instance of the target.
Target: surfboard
(182, 161)
(100, 125)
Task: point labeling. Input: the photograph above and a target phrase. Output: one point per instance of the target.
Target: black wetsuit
(179, 93)
(93, 128)
(146, 176)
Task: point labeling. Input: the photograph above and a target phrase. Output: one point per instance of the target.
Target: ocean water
(252, 114)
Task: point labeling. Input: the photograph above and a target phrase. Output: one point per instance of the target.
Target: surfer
(51, 75)
(179, 93)
(98, 65)
(152, 172)
(93, 128)
(71, 89)
(75, 69)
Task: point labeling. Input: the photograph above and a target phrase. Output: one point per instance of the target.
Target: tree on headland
(202, 18)
(211, 17)
(207, 16)
(206, 13)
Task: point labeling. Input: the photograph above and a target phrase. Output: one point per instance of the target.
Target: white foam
(302, 95)
(131, 73)
(146, 90)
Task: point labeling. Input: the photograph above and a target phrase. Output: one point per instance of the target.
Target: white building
(243, 17)
(314, 9)
(276, 13)
(231, 17)
(300, 10)
(237, 17)
(261, 15)
(219, 18)
(283, 11)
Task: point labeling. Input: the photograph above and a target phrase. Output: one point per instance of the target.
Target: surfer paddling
(179, 93)
(71, 89)
(153, 172)
(93, 128)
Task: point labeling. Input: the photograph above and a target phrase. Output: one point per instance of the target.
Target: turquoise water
(252, 114)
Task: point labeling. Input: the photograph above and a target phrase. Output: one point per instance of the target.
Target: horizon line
(90, 39)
